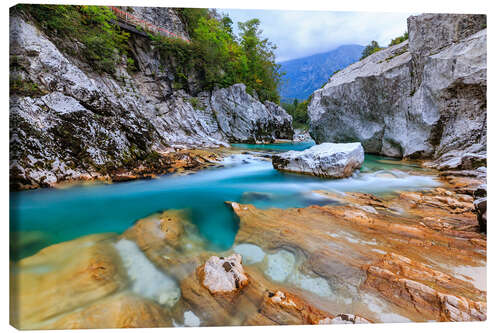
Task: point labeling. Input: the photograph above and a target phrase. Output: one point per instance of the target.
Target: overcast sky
(301, 33)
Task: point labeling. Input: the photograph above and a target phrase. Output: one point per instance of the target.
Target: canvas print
(176, 167)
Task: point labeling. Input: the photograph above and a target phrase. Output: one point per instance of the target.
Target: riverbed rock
(82, 125)
(224, 274)
(124, 310)
(415, 256)
(421, 253)
(412, 284)
(62, 278)
(344, 318)
(425, 97)
(330, 160)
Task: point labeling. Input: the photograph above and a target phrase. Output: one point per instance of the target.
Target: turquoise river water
(46, 216)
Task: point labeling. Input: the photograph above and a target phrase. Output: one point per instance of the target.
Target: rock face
(301, 136)
(425, 97)
(166, 18)
(242, 118)
(480, 200)
(331, 160)
(78, 123)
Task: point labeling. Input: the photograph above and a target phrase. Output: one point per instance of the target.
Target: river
(46, 216)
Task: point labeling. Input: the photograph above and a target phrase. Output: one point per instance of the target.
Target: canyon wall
(423, 98)
(71, 121)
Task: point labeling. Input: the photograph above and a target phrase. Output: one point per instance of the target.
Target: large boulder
(330, 160)
(423, 98)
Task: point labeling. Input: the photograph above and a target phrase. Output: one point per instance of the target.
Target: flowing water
(47, 216)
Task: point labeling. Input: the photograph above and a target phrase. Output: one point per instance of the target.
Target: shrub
(399, 39)
(104, 42)
(21, 87)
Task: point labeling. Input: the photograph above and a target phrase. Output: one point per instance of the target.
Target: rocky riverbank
(69, 122)
(415, 256)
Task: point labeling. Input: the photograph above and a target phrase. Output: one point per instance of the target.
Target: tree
(262, 73)
(298, 111)
(370, 49)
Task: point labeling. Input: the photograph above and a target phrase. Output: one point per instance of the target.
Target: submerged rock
(331, 160)
(224, 274)
(251, 253)
(256, 196)
(62, 278)
(148, 281)
(124, 310)
(191, 320)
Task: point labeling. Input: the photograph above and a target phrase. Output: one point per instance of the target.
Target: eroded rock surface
(412, 250)
(331, 160)
(425, 97)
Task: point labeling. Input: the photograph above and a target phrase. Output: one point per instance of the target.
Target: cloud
(301, 33)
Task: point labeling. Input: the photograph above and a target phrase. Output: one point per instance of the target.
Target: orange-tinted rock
(158, 230)
(62, 278)
(412, 284)
(344, 318)
(119, 311)
(427, 234)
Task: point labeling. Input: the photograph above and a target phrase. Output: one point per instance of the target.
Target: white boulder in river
(331, 160)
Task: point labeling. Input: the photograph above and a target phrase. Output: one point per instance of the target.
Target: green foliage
(131, 65)
(103, 42)
(221, 58)
(298, 111)
(370, 49)
(259, 69)
(216, 56)
(196, 104)
(21, 87)
(399, 39)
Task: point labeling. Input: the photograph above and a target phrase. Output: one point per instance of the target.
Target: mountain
(304, 75)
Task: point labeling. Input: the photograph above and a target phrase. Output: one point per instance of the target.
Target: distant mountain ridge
(304, 75)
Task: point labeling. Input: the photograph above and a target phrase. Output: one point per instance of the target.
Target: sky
(302, 33)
